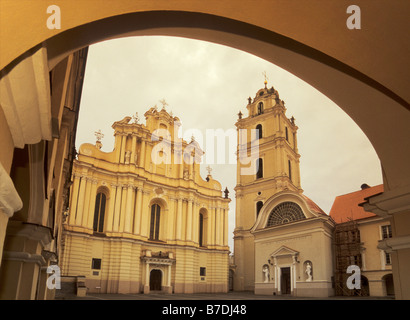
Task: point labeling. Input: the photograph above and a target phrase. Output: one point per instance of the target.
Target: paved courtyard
(204, 296)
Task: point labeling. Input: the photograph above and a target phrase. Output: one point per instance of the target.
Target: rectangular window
(388, 258)
(290, 170)
(259, 168)
(202, 271)
(386, 232)
(96, 264)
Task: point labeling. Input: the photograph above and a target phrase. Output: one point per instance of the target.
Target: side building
(142, 218)
(360, 238)
(35, 183)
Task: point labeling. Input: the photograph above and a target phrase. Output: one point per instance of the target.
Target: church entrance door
(155, 280)
(285, 280)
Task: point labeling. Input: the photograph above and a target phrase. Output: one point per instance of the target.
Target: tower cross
(164, 103)
(99, 135)
(266, 77)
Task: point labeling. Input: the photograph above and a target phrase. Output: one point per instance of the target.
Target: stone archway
(343, 69)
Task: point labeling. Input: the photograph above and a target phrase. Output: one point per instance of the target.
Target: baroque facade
(142, 218)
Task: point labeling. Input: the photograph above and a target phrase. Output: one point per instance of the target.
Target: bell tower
(268, 139)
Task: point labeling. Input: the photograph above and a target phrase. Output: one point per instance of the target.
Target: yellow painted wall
(132, 183)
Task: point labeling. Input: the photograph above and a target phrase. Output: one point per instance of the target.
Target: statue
(309, 272)
(266, 273)
(127, 157)
(125, 120)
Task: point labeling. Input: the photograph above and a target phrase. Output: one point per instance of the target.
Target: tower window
(259, 131)
(259, 206)
(286, 134)
(155, 219)
(259, 168)
(260, 108)
(99, 212)
(290, 170)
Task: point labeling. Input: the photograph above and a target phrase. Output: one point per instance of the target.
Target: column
(111, 208)
(133, 149)
(195, 222)
(80, 206)
(209, 240)
(226, 227)
(171, 218)
(275, 268)
(87, 200)
(74, 199)
(189, 221)
(123, 207)
(117, 209)
(217, 226)
(137, 211)
(117, 145)
(221, 226)
(213, 225)
(169, 276)
(142, 154)
(123, 143)
(91, 208)
(128, 209)
(179, 219)
(293, 274)
(145, 214)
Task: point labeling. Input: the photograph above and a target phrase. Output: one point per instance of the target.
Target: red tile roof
(346, 207)
(313, 206)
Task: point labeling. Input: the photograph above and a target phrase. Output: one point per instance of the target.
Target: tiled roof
(346, 207)
(313, 206)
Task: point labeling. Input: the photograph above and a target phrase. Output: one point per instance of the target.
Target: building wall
(133, 182)
(294, 245)
(39, 171)
(375, 266)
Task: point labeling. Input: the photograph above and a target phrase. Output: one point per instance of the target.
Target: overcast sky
(206, 85)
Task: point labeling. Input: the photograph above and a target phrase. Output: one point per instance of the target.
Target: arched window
(259, 131)
(259, 206)
(285, 212)
(201, 230)
(259, 168)
(260, 108)
(99, 212)
(155, 220)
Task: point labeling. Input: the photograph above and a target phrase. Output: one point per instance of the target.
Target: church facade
(141, 217)
(282, 239)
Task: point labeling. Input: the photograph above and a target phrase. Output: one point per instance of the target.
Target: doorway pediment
(284, 251)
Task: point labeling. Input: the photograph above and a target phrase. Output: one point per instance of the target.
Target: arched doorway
(155, 280)
(388, 284)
